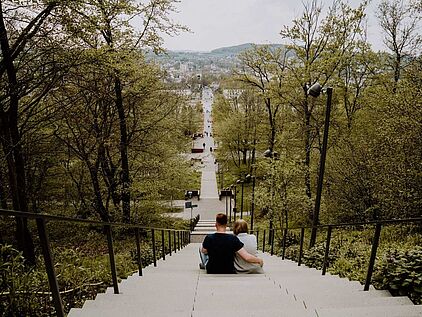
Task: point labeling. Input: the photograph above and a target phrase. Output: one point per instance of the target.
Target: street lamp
(315, 91)
(273, 155)
(231, 194)
(242, 182)
(248, 179)
(234, 207)
(226, 190)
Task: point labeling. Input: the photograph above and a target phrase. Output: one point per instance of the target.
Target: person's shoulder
(210, 236)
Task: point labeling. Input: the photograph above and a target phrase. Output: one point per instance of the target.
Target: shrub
(400, 271)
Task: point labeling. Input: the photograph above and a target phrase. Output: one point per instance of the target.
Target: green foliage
(400, 271)
(81, 274)
(398, 267)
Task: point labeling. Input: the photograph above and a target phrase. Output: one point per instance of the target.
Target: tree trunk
(123, 150)
(11, 143)
(3, 194)
(99, 206)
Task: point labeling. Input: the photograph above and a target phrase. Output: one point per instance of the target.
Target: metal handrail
(29, 215)
(377, 233)
(180, 239)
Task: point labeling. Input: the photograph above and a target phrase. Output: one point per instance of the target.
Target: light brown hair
(240, 226)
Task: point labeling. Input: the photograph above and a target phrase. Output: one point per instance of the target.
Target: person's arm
(249, 257)
(203, 250)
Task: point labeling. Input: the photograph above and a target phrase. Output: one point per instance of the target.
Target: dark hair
(221, 219)
(240, 226)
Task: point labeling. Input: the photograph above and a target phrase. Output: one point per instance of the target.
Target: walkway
(209, 204)
(177, 287)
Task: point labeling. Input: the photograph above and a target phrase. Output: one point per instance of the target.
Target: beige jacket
(241, 266)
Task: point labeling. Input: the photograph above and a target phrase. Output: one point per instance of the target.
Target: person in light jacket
(240, 229)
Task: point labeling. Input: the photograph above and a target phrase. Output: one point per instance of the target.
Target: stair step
(285, 312)
(372, 311)
(177, 287)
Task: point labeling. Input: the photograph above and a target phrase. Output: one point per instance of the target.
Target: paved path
(177, 287)
(209, 204)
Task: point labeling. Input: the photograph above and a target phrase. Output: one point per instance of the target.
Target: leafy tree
(319, 46)
(28, 72)
(401, 23)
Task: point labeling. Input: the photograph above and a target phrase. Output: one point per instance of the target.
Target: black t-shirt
(221, 248)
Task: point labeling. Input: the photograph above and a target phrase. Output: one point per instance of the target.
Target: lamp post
(248, 179)
(234, 207)
(273, 155)
(242, 182)
(231, 192)
(226, 190)
(315, 91)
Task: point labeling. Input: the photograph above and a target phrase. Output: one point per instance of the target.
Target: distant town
(182, 66)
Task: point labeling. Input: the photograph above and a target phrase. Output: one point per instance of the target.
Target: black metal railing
(193, 222)
(180, 239)
(375, 241)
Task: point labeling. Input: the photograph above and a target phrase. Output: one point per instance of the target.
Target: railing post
(169, 236)
(257, 236)
(284, 243)
(49, 266)
(302, 235)
(263, 242)
(154, 255)
(272, 242)
(327, 250)
(373, 256)
(178, 240)
(174, 241)
(163, 245)
(111, 256)
(138, 251)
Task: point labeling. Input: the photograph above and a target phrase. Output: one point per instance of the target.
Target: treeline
(373, 168)
(88, 127)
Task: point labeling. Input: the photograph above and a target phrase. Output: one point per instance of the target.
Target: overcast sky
(220, 23)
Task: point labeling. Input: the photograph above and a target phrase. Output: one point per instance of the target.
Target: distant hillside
(224, 58)
(235, 50)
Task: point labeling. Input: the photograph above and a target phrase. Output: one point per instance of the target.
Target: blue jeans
(204, 257)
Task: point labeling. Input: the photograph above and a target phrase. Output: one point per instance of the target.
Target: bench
(225, 192)
(191, 193)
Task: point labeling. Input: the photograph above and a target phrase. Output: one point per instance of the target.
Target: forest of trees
(373, 168)
(88, 127)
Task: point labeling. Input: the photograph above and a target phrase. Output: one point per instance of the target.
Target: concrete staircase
(177, 287)
(202, 228)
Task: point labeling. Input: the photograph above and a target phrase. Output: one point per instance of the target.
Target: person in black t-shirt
(221, 247)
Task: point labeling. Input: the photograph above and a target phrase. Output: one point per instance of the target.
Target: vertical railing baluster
(257, 236)
(138, 251)
(169, 237)
(154, 254)
(49, 266)
(111, 256)
(302, 235)
(263, 242)
(284, 243)
(163, 245)
(178, 240)
(174, 241)
(327, 250)
(374, 249)
(272, 242)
